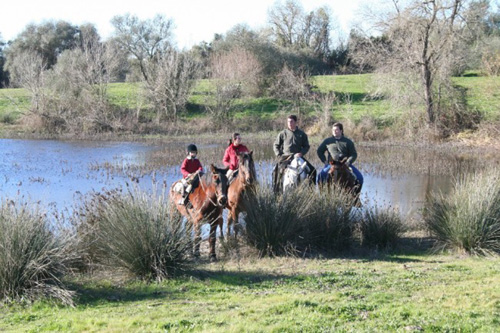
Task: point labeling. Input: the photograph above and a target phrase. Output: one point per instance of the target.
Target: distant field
(353, 92)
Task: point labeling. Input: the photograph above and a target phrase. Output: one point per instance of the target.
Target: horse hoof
(213, 258)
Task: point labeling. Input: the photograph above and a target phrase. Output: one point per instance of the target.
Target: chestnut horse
(206, 203)
(340, 175)
(244, 181)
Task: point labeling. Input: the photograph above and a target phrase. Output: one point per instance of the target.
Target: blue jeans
(323, 174)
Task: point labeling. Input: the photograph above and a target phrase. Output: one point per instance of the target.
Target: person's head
(192, 150)
(337, 130)
(292, 122)
(235, 139)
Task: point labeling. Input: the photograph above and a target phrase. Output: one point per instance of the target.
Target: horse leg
(197, 239)
(212, 239)
(229, 222)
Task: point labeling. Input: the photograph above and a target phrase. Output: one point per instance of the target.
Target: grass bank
(356, 102)
(405, 292)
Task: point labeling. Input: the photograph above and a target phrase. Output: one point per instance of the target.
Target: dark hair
(292, 116)
(340, 126)
(233, 137)
(192, 148)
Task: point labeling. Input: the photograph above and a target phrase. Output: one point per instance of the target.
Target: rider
(291, 142)
(338, 147)
(231, 155)
(191, 170)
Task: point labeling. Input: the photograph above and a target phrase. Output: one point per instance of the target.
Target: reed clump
(468, 218)
(380, 228)
(35, 254)
(138, 232)
(298, 221)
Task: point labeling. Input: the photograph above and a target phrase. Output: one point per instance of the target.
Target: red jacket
(190, 166)
(231, 155)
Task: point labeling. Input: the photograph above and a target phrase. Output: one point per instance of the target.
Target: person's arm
(353, 154)
(184, 170)
(226, 158)
(278, 145)
(305, 145)
(321, 152)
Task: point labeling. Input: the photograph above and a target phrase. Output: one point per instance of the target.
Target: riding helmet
(192, 148)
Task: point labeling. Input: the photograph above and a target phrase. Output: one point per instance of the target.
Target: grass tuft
(138, 232)
(468, 219)
(379, 228)
(34, 256)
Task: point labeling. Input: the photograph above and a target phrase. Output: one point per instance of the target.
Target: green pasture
(404, 293)
(354, 99)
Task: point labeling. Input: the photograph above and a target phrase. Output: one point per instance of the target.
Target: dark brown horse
(244, 181)
(207, 202)
(340, 175)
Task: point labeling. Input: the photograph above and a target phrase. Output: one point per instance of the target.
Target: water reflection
(57, 173)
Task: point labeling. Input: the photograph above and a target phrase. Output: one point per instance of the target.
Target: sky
(194, 20)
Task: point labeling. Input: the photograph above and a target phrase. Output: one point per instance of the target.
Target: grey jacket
(334, 146)
(291, 142)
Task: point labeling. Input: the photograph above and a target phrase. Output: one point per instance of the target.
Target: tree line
(420, 44)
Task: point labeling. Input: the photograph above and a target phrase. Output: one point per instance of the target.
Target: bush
(298, 221)
(137, 232)
(273, 223)
(329, 221)
(469, 218)
(34, 256)
(380, 228)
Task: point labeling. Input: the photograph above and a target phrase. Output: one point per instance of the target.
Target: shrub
(469, 217)
(273, 223)
(328, 221)
(138, 232)
(34, 256)
(380, 228)
(298, 221)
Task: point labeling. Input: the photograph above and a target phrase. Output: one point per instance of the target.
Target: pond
(57, 174)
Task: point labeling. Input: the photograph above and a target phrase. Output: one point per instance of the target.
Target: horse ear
(250, 153)
(212, 168)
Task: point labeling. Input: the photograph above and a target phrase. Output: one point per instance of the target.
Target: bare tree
(28, 72)
(235, 73)
(171, 76)
(143, 40)
(421, 40)
(294, 29)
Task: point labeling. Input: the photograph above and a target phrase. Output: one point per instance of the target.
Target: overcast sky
(194, 20)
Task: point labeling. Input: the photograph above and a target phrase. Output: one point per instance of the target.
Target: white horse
(295, 173)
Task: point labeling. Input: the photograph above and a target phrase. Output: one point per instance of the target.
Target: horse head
(246, 167)
(295, 173)
(219, 178)
(339, 172)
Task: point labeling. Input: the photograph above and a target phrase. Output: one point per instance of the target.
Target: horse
(295, 173)
(207, 202)
(244, 181)
(340, 175)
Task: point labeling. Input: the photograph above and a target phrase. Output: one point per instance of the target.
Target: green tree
(48, 40)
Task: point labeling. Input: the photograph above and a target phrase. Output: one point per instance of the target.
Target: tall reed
(303, 219)
(380, 228)
(468, 219)
(34, 254)
(139, 232)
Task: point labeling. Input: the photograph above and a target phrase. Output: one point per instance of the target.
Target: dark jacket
(291, 142)
(343, 146)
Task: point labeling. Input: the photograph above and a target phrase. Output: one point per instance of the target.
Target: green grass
(354, 98)
(394, 293)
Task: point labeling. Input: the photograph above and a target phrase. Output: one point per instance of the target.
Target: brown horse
(207, 202)
(340, 175)
(244, 181)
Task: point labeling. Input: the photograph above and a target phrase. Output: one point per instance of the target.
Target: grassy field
(409, 292)
(354, 98)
